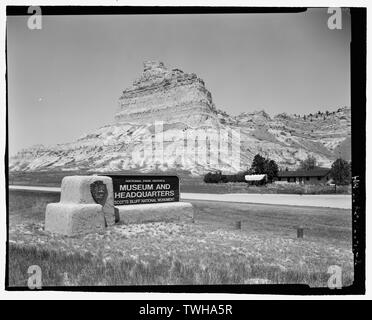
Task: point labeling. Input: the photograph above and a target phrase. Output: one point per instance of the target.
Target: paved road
(37, 188)
(332, 201)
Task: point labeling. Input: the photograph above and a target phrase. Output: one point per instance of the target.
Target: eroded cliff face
(185, 107)
(169, 95)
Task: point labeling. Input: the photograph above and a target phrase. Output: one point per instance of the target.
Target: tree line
(340, 171)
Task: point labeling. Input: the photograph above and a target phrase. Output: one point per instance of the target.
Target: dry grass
(169, 253)
(209, 251)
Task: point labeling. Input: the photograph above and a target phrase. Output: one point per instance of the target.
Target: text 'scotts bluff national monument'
(184, 107)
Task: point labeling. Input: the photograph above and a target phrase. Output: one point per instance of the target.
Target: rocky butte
(181, 101)
(168, 95)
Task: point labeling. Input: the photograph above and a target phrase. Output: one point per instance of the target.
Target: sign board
(130, 190)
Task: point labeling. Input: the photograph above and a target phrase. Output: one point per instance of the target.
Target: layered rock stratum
(166, 95)
(183, 106)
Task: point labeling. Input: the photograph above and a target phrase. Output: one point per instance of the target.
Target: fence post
(300, 232)
(238, 225)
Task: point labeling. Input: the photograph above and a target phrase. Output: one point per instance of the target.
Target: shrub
(217, 177)
(213, 177)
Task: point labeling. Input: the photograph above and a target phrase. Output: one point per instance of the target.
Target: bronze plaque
(99, 192)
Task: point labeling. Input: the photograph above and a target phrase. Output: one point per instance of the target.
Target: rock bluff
(169, 95)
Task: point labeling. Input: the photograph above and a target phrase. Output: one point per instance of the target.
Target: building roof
(255, 177)
(319, 172)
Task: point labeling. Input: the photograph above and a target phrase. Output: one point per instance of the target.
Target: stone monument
(90, 203)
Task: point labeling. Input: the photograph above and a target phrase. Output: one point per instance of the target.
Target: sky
(65, 79)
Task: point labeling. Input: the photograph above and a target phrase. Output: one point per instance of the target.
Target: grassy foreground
(77, 269)
(209, 251)
(171, 254)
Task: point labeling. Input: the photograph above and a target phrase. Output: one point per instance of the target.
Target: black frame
(358, 129)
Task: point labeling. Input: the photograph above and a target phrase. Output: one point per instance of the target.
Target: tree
(308, 164)
(341, 172)
(258, 164)
(261, 165)
(271, 169)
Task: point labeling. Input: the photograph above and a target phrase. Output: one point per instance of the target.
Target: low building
(315, 176)
(256, 179)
